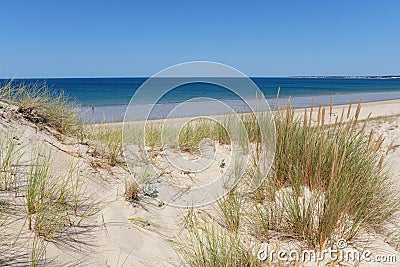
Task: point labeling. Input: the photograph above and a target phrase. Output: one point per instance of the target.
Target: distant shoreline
(385, 77)
(374, 109)
(256, 77)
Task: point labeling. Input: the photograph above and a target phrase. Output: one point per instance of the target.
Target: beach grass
(106, 142)
(10, 154)
(186, 139)
(211, 245)
(38, 104)
(192, 134)
(36, 185)
(54, 202)
(328, 182)
(38, 251)
(132, 191)
(230, 210)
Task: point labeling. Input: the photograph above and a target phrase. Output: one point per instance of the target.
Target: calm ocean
(110, 96)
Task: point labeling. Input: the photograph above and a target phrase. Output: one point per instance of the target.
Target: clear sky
(94, 38)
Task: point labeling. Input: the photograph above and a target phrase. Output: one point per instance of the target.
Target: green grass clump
(230, 210)
(213, 246)
(224, 131)
(188, 137)
(54, 203)
(192, 134)
(39, 176)
(328, 181)
(106, 141)
(9, 158)
(153, 136)
(38, 251)
(38, 104)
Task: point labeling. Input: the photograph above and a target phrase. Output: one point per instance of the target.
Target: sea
(106, 99)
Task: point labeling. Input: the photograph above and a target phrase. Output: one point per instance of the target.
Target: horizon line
(256, 76)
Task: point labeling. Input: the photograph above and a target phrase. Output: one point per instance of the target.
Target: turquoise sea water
(110, 96)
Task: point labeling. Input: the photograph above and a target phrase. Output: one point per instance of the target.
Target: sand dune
(120, 233)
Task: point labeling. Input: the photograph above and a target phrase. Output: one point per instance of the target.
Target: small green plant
(222, 164)
(131, 191)
(149, 190)
(143, 222)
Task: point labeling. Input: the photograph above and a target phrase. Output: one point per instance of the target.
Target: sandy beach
(120, 233)
(374, 109)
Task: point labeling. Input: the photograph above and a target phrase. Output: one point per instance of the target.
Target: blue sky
(138, 38)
